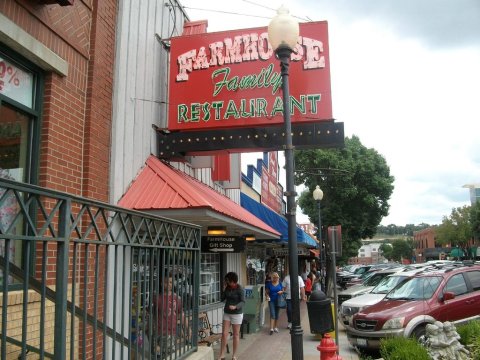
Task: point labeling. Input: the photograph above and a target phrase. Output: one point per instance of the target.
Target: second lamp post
(318, 196)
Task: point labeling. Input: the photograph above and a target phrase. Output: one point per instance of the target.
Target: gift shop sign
(232, 244)
(232, 79)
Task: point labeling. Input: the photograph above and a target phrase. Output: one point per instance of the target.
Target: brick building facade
(58, 136)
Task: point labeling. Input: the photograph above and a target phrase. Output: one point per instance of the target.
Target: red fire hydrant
(328, 349)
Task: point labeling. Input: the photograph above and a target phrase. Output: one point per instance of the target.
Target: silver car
(366, 286)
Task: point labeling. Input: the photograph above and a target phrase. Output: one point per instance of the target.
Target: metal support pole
(61, 284)
(322, 250)
(333, 247)
(296, 332)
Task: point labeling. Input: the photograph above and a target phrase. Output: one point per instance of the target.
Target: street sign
(223, 244)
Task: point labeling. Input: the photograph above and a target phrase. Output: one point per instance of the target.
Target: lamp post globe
(283, 32)
(317, 194)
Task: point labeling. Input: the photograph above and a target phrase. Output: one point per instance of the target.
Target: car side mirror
(448, 296)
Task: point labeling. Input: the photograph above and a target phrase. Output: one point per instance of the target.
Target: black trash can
(320, 313)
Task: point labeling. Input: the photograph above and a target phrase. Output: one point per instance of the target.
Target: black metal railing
(83, 279)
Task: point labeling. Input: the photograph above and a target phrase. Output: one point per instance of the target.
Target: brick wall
(75, 136)
(77, 109)
(14, 323)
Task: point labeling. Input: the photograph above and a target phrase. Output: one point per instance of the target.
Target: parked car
(365, 287)
(375, 268)
(361, 279)
(344, 277)
(353, 305)
(447, 294)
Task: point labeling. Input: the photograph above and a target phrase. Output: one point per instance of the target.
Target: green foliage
(401, 249)
(475, 219)
(455, 229)
(357, 185)
(400, 348)
(386, 250)
(469, 331)
(406, 230)
(470, 337)
(474, 348)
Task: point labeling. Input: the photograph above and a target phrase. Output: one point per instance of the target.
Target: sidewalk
(262, 346)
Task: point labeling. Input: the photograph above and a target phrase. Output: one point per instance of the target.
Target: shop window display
(19, 103)
(209, 279)
(13, 155)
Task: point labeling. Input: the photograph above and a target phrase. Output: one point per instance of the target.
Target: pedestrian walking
(288, 295)
(274, 293)
(309, 284)
(234, 297)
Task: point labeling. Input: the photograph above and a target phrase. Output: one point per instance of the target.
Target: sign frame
(223, 244)
(232, 79)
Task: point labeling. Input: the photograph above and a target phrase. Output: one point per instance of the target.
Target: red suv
(450, 293)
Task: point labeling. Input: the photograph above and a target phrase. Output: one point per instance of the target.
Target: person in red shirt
(169, 318)
(309, 283)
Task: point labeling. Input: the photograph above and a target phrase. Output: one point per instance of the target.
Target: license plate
(362, 342)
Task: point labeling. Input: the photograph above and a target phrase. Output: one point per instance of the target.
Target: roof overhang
(165, 191)
(206, 217)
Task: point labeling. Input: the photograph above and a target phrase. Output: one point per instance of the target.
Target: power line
(272, 9)
(260, 5)
(226, 12)
(242, 14)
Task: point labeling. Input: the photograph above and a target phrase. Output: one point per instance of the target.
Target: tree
(386, 251)
(357, 185)
(455, 229)
(475, 219)
(401, 249)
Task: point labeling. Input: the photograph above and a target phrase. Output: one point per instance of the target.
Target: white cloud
(406, 80)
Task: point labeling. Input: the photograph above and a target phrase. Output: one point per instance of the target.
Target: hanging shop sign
(232, 79)
(223, 244)
(335, 239)
(272, 193)
(285, 252)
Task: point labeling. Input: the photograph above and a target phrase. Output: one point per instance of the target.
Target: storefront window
(13, 160)
(19, 109)
(255, 265)
(210, 279)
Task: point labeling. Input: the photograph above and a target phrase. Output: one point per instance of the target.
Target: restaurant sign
(232, 79)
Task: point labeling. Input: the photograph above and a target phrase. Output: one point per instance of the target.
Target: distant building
(474, 192)
(368, 254)
(426, 246)
(309, 228)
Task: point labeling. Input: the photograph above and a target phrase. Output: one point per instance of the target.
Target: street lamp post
(283, 33)
(318, 196)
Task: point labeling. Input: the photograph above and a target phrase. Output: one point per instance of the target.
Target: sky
(405, 79)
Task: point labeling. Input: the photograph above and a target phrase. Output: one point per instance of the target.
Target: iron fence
(83, 279)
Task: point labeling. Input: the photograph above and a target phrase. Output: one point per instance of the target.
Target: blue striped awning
(276, 221)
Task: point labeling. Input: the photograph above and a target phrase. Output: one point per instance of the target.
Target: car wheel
(419, 332)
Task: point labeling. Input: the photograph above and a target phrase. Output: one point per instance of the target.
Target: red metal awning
(165, 191)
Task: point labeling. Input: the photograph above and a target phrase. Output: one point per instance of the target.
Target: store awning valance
(457, 252)
(168, 192)
(275, 220)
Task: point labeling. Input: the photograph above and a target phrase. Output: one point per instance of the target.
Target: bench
(206, 336)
